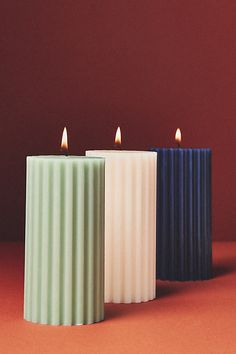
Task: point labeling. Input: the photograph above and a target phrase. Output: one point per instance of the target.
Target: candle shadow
(166, 288)
(114, 310)
(224, 267)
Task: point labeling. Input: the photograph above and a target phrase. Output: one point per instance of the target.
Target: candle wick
(117, 146)
(64, 152)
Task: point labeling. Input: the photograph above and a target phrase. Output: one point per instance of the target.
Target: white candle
(130, 225)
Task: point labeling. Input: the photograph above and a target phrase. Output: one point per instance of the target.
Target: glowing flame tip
(64, 140)
(178, 136)
(118, 136)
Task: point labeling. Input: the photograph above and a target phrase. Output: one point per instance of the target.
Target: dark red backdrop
(150, 66)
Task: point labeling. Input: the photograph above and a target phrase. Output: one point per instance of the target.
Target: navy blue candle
(184, 247)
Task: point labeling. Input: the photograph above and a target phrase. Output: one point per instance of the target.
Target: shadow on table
(167, 288)
(224, 267)
(126, 310)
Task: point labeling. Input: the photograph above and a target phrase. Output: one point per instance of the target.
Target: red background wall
(149, 66)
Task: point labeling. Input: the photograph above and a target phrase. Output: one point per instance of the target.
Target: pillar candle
(183, 214)
(64, 252)
(130, 225)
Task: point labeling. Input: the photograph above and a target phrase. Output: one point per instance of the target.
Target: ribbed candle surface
(184, 214)
(64, 252)
(130, 225)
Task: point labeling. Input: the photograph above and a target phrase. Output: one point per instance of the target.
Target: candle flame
(178, 136)
(118, 136)
(64, 140)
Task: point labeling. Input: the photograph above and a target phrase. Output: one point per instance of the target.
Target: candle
(130, 224)
(64, 254)
(183, 213)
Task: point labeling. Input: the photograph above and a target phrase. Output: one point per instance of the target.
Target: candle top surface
(118, 153)
(64, 157)
(179, 149)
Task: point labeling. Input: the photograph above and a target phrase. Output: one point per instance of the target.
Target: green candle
(64, 258)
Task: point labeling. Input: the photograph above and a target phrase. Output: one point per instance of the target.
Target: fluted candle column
(64, 258)
(184, 247)
(130, 225)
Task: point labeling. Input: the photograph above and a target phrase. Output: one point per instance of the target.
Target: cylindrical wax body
(184, 214)
(64, 258)
(130, 225)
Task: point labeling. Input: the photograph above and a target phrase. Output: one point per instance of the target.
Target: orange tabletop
(192, 317)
